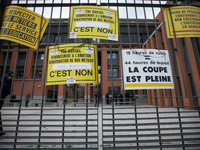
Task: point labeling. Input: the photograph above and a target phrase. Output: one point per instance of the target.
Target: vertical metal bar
(63, 127)
(46, 58)
(178, 51)
(158, 119)
(69, 22)
(195, 45)
(64, 100)
(113, 100)
(102, 105)
(86, 132)
(14, 70)
(178, 109)
(120, 44)
(34, 74)
(135, 106)
(20, 105)
(138, 30)
(4, 71)
(149, 43)
(192, 75)
(113, 109)
(129, 37)
(169, 53)
(157, 43)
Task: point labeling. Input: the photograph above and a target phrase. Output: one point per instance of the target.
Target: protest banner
(186, 21)
(93, 22)
(72, 64)
(22, 26)
(146, 69)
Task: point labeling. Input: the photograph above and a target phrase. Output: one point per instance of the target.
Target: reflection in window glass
(108, 56)
(114, 55)
(42, 57)
(115, 73)
(109, 72)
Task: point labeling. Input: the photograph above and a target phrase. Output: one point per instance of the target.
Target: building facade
(29, 64)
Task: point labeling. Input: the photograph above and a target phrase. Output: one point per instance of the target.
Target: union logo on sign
(72, 35)
(89, 50)
(109, 13)
(112, 37)
(79, 11)
(54, 52)
(71, 79)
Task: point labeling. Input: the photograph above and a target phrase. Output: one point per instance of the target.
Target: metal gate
(71, 117)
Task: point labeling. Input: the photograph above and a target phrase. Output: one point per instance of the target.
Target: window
(44, 38)
(78, 40)
(22, 58)
(115, 90)
(2, 68)
(108, 56)
(115, 73)
(9, 58)
(95, 40)
(115, 65)
(57, 39)
(114, 59)
(114, 56)
(20, 73)
(38, 73)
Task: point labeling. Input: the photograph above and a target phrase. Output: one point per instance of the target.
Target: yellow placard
(93, 22)
(72, 64)
(186, 21)
(22, 26)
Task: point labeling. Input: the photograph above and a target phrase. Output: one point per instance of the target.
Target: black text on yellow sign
(185, 19)
(72, 64)
(22, 26)
(93, 22)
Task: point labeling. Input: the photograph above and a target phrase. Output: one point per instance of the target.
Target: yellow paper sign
(93, 22)
(186, 21)
(72, 64)
(22, 26)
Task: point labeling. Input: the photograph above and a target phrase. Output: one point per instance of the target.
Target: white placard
(71, 66)
(147, 69)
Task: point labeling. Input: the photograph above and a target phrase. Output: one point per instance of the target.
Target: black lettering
(58, 73)
(64, 73)
(90, 72)
(82, 29)
(78, 72)
(76, 29)
(128, 79)
(84, 72)
(87, 29)
(147, 78)
(51, 74)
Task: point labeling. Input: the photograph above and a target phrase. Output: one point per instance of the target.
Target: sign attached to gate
(93, 22)
(186, 21)
(146, 69)
(22, 26)
(72, 64)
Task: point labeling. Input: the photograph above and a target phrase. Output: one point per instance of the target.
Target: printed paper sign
(93, 22)
(146, 69)
(186, 21)
(72, 64)
(22, 26)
